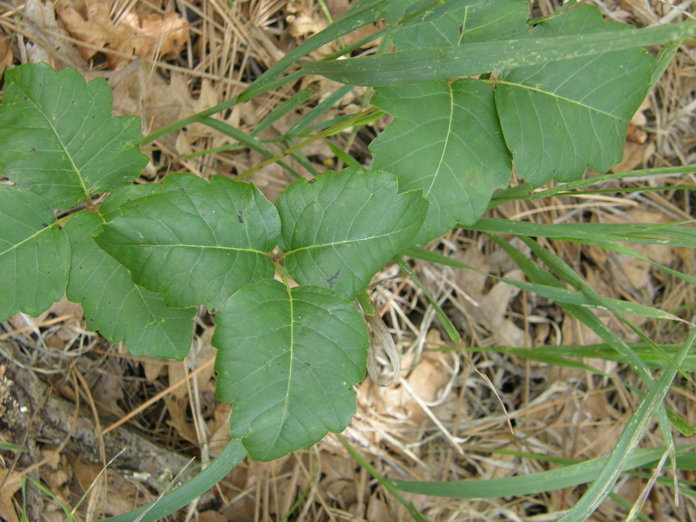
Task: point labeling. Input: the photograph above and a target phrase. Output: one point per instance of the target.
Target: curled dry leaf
(131, 35)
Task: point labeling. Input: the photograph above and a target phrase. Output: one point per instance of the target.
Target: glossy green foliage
(288, 359)
(59, 139)
(34, 254)
(196, 242)
(341, 229)
(453, 23)
(566, 116)
(117, 307)
(446, 141)
(453, 139)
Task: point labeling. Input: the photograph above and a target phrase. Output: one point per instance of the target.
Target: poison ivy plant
(341, 229)
(195, 242)
(446, 141)
(34, 253)
(117, 307)
(544, 97)
(288, 359)
(59, 139)
(563, 117)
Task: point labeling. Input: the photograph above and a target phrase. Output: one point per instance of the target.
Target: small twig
(156, 398)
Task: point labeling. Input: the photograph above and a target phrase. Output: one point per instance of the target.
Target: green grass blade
(7, 446)
(549, 353)
(544, 481)
(38, 485)
(230, 457)
(246, 139)
(558, 294)
(434, 257)
(284, 108)
(227, 104)
(568, 274)
(346, 158)
(482, 57)
(582, 183)
(360, 15)
(563, 295)
(625, 446)
(667, 234)
(663, 59)
(452, 332)
(537, 275)
(317, 111)
(630, 252)
(387, 484)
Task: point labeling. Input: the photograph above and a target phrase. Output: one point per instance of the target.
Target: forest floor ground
(454, 413)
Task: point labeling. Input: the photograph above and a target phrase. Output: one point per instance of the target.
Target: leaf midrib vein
(27, 239)
(561, 98)
(445, 142)
(183, 245)
(59, 139)
(344, 242)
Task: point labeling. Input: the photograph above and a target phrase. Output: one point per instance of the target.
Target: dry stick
(393, 296)
(157, 397)
(37, 325)
(100, 489)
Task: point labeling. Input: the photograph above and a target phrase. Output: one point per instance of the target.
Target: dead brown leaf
(494, 303)
(131, 35)
(634, 156)
(426, 380)
(49, 42)
(302, 19)
(10, 485)
(219, 427)
(153, 368)
(179, 419)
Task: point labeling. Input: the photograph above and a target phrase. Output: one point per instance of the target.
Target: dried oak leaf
(131, 35)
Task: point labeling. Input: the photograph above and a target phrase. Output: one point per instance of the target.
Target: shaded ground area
(103, 431)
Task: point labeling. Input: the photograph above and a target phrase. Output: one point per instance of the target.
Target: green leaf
(34, 254)
(115, 306)
(565, 477)
(195, 242)
(560, 118)
(287, 361)
(446, 141)
(58, 138)
(164, 506)
(483, 57)
(341, 229)
(111, 206)
(472, 21)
